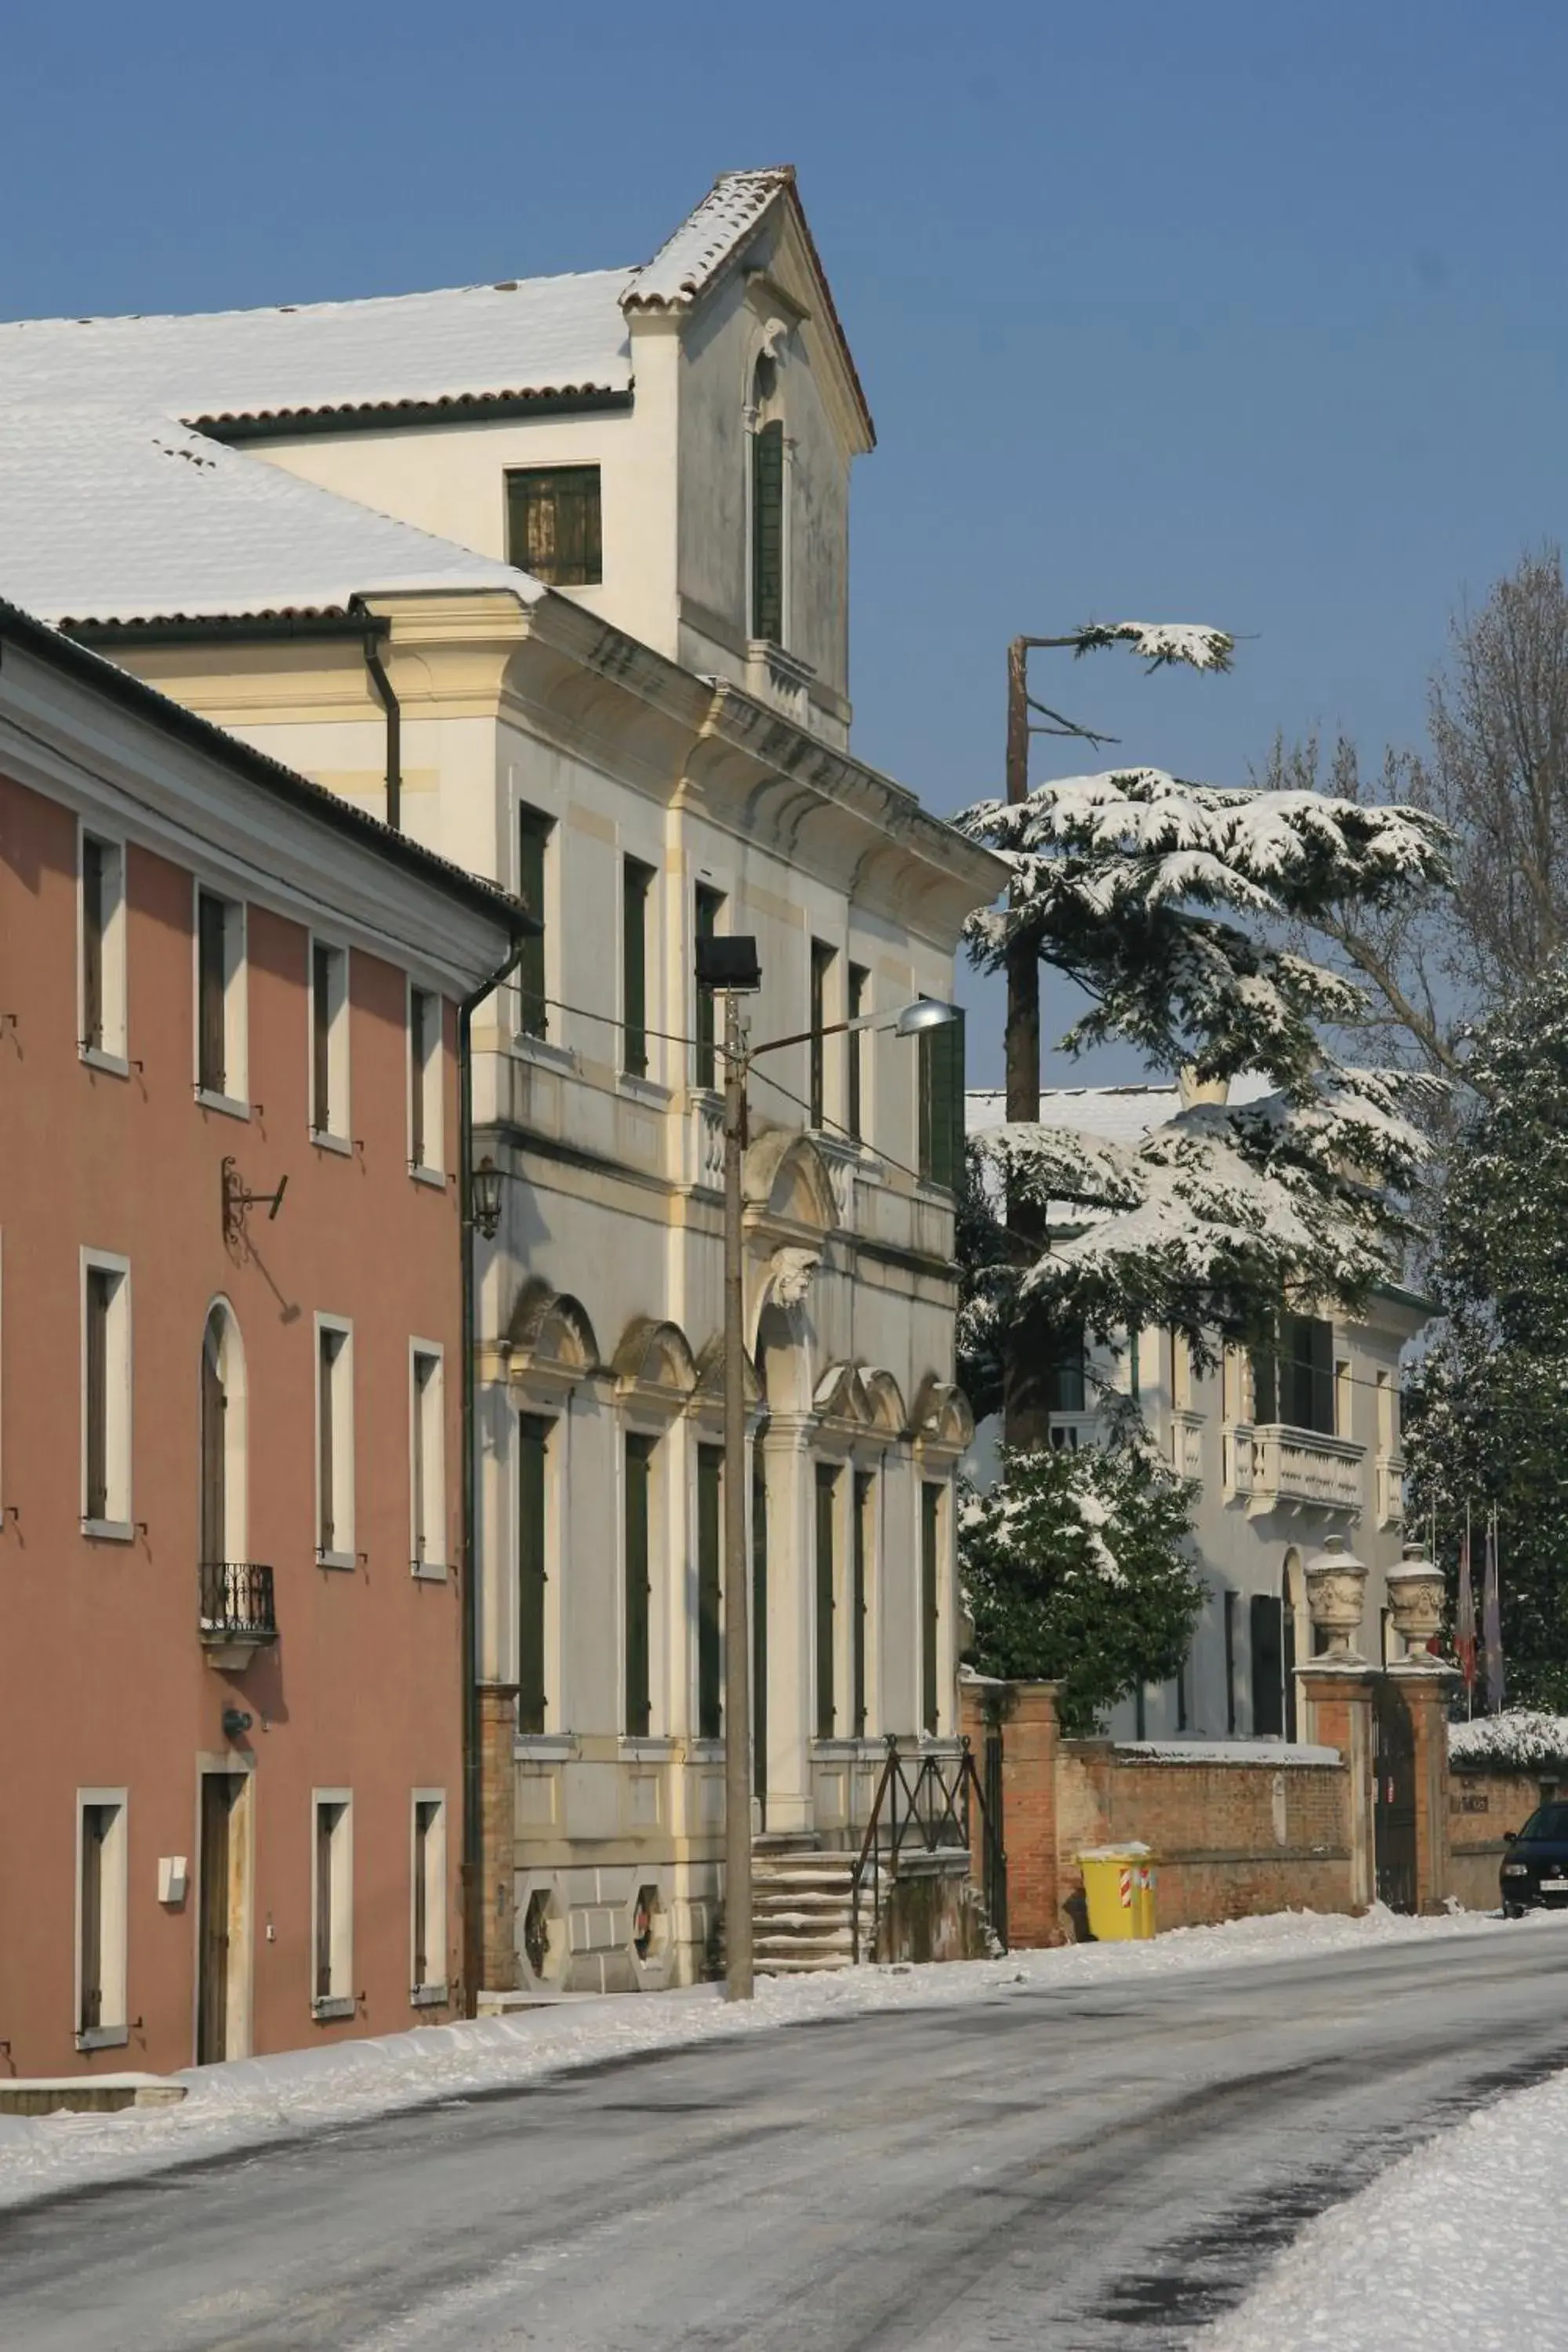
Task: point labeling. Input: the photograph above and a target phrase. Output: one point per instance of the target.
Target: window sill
(324, 1141)
(428, 1571)
(866, 1749)
(230, 1105)
(104, 2037)
(705, 1751)
(336, 1559)
(529, 1048)
(427, 1996)
(645, 1748)
(98, 1057)
(110, 1531)
(434, 1177)
(544, 1747)
(643, 1090)
(337, 2004)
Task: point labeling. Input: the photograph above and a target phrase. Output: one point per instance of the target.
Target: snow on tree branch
(1161, 643)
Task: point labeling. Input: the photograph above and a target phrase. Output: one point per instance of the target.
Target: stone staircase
(801, 1906)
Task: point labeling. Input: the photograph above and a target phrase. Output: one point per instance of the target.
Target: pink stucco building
(231, 1485)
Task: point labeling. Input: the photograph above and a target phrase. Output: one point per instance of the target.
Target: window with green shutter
(552, 524)
(636, 889)
(942, 1104)
(705, 1064)
(930, 1563)
(767, 533)
(639, 1588)
(823, 959)
(709, 1547)
(826, 1513)
(865, 1503)
(534, 832)
(760, 1629)
(532, 1572)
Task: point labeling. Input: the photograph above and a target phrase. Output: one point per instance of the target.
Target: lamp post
(727, 967)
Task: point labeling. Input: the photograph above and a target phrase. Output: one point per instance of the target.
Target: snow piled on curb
(1458, 2243)
(250, 2101)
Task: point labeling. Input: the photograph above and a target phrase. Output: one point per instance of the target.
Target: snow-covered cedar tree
(1488, 1414)
(1165, 902)
(1078, 1570)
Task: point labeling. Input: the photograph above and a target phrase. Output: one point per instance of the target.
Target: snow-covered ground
(254, 2100)
(1459, 2243)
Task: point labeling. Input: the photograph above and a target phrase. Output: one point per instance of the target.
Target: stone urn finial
(1415, 1593)
(1336, 1589)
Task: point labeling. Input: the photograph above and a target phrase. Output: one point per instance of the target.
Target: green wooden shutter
(709, 1546)
(533, 835)
(930, 1542)
(212, 926)
(760, 1629)
(1266, 1629)
(96, 1387)
(864, 1495)
(767, 533)
(93, 855)
(639, 1707)
(826, 1500)
(942, 1106)
(855, 1047)
(533, 1575)
(705, 1065)
(321, 1039)
(636, 882)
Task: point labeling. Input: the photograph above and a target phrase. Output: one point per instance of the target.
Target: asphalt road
(1098, 2167)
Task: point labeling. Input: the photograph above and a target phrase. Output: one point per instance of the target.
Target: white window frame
(340, 2002)
(113, 2029)
(117, 1523)
(341, 1555)
(427, 1450)
(235, 1100)
(431, 1084)
(428, 1992)
(338, 1133)
(111, 1054)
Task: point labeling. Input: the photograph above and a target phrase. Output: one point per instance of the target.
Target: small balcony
(1298, 1466)
(236, 1616)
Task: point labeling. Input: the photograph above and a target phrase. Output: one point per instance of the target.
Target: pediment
(549, 1334)
(786, 1184)
(654, 1360)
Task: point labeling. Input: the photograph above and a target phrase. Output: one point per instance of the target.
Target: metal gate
(1393, 1799)
(996, 1842)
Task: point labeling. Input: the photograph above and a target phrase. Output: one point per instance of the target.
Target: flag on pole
(1464, 1612)
(1491, 1624)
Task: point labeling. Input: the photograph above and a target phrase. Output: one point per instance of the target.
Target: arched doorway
(223, 1444)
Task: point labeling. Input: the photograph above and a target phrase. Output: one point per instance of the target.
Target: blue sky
(1226, 313)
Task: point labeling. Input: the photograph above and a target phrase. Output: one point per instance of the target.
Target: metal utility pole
(738, 1975)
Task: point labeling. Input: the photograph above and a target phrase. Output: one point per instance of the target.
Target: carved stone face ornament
(791, 1271)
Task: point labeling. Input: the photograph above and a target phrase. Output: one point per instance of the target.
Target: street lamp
(727, 967)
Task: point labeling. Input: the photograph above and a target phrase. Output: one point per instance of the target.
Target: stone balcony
(1273, 1464)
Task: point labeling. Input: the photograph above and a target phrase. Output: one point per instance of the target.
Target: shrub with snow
(1522, 1740)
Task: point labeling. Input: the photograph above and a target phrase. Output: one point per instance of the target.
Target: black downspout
(473, 1893)
(382, 687)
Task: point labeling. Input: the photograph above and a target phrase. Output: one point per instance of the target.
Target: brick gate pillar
(1423, 1683)
(1338, 1699)
(1028, 1715)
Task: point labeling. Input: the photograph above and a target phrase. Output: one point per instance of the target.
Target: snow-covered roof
(534, 336)
(687, 262)
(1114, 1114)
(107, 514)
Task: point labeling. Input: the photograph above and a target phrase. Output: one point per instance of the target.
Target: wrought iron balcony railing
(236, 1602)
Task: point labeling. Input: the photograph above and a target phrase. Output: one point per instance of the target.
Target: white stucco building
(554, 575)
(1289, 1447)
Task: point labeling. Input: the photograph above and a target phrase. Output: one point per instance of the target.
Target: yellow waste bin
(1119, 1886)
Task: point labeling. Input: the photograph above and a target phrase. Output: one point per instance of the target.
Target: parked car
(1534, 1873)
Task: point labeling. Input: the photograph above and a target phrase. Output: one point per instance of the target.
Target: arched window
(223, 1441)
(767, 504)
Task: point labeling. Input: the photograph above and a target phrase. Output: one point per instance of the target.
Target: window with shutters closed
(768, 532)
(102, 977)
(856, 1046)
(710, 1618)
(533, 1438)
(534, 830)
(1293, 1375)
(1266, 1631)
(427, 1125)
(329, 1044)
(940, 1104)
(220, 999)
(864, 1540)
(823, 960)
(334, 1443)
(427, 1459)
(553, 524)
(709, 905)
(637, 894)
(931, 1604)
(826, 1599)
(638, 1693)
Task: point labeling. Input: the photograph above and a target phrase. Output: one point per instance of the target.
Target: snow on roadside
(1459, 2242)
(250, 2101)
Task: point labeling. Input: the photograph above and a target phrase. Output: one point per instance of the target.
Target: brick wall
(1481, 1806)
(1232, 1839)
